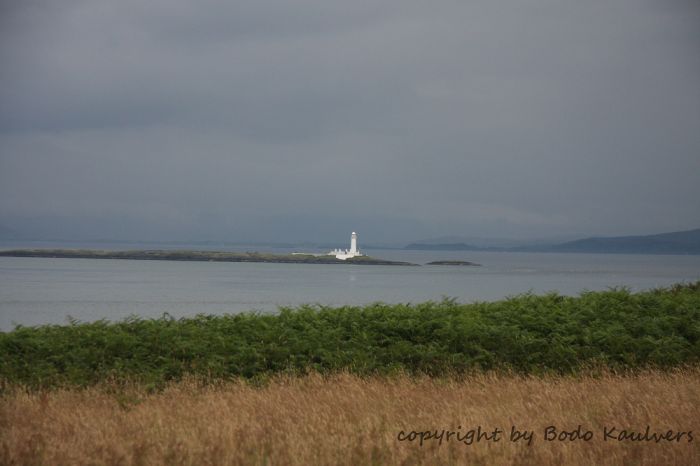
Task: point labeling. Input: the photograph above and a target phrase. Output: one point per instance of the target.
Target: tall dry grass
(348, 420)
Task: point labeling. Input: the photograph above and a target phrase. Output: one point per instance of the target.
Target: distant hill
(443, 247)
(680, 242)
(468, 243)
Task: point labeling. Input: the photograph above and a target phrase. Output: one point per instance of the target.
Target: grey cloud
(247, 119)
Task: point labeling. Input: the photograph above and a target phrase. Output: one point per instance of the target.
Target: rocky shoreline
(458, 263)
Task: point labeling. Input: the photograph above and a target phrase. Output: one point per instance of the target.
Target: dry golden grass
(348, 420)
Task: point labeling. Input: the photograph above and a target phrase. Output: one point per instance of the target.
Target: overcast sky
(279, 120)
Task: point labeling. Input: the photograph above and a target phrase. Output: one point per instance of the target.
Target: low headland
(202, 256)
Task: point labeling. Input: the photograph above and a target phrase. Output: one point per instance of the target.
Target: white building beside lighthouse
(343, 254)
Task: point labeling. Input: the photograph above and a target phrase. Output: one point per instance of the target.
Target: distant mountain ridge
(451, 247)
(679, 242)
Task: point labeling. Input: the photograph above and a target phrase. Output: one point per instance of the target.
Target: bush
(526, 333)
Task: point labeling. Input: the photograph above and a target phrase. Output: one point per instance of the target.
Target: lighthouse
(353, 244)
(343, 254)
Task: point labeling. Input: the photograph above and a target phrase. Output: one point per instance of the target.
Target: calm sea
(37, 291)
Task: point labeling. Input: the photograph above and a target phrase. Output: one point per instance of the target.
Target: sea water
(35, 291)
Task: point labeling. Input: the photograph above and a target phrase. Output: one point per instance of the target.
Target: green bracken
(616, 329)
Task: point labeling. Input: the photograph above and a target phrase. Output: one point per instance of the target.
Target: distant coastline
(196, 256)
(679, 242)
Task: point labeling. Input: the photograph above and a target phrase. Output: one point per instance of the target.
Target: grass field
(348, 420)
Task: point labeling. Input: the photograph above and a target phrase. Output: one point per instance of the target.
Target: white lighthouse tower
(343, 254)
(353, 244)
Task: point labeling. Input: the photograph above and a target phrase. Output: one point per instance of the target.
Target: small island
(202, 256)
(462, 263)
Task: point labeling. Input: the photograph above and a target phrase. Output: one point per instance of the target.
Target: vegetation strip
(196, 256)
(527, 334)
(343, 419)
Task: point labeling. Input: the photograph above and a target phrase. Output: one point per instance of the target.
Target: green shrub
(526, 333)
